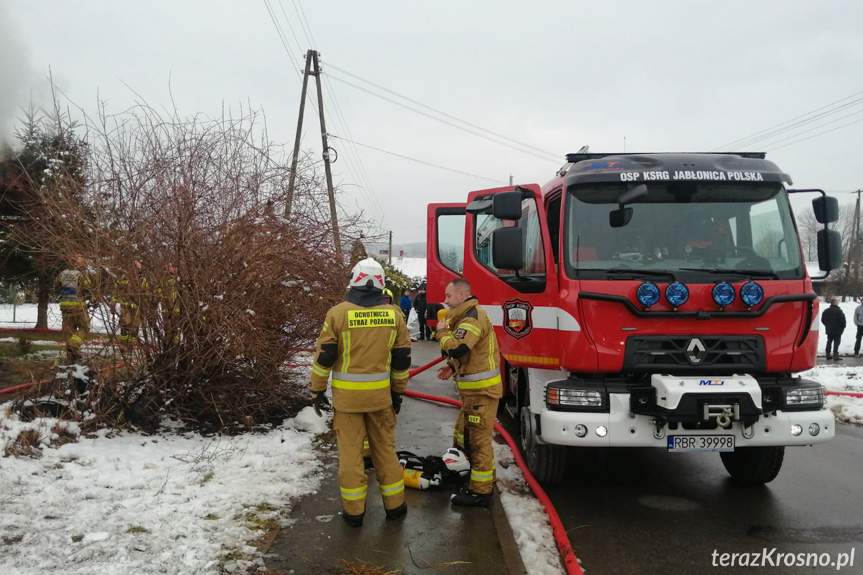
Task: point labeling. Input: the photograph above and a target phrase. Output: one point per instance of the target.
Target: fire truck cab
(647, 300)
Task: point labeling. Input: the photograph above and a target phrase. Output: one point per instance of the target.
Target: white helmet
(367, 272)
(456, 460)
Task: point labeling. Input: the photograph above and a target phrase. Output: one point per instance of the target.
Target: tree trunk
(44, 291)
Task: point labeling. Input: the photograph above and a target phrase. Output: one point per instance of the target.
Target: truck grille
(694, 354)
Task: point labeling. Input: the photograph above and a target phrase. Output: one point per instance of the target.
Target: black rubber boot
(353, 520)
(469, 499)
(397, 512)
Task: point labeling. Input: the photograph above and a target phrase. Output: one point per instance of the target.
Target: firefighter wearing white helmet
(364, 345)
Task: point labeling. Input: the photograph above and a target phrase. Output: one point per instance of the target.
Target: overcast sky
(653, 76)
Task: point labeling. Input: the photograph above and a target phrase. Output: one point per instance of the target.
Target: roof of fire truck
(666, 167)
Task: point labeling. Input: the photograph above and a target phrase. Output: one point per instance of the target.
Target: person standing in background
(421, 305)
(74, 285)
(406, 303)
(833, 319)
(858, 321)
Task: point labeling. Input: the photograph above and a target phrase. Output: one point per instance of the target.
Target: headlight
(677, 294)
(813, 396)
(647, 294)
(573, 397)
(751, 293)
(723, 294)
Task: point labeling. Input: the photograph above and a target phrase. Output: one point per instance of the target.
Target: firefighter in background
(169, 305)
(130, 290)
(364, 344)
(466, 337)
(74, 287)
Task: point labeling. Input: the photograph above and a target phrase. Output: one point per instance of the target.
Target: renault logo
(696, 350)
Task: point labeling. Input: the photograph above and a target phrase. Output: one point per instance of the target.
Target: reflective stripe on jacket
(469, 340)
(359, 346)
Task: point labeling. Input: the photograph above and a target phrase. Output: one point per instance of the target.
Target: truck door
(445, 249)
(522, 304)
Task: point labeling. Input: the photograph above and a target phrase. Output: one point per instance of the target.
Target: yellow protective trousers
(76, 326)
(477, 416)
(379, 427)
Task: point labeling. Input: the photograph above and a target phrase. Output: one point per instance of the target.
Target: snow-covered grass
(174, 503)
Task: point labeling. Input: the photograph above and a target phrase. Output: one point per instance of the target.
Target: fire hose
(563, 544)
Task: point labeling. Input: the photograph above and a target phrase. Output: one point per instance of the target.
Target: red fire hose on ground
(563, 544)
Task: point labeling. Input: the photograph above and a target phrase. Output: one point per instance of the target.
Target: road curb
(508, 546)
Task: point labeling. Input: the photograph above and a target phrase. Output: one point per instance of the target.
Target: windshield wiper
(729, 271)
(641, 272)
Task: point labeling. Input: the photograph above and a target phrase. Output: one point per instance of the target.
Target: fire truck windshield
(702, 230)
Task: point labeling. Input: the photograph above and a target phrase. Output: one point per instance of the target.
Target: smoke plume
(14, 63)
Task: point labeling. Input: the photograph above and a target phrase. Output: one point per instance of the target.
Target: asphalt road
(636, 511)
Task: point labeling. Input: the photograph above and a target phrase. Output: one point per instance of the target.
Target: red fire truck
(648, 300)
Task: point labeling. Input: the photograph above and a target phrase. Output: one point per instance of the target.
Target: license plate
(695, 443)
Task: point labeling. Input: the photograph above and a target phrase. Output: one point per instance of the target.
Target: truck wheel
(753, 465)
(547, 463)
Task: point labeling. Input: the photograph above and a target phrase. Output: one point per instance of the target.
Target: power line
(774, 130)
(442, 121)
(819, 126)
(501, 136)
(816, 135)
(420, 161)
(307, 30)
(282, 37)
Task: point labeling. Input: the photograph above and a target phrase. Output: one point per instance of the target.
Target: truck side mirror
(506, 205)
(829, 250)
(826, 209)
(507, 248)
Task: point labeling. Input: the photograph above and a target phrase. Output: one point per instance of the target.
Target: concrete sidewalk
(434, 537)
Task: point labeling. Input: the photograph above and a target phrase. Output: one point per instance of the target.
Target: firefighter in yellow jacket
(74, 287)
(467, 339)
(364, 345)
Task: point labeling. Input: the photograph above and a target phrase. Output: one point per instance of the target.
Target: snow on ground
(169, 503)
(526, 516)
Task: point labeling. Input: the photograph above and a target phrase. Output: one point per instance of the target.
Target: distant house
(15, 190)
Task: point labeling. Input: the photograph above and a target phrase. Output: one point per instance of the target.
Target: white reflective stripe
(545, 317)
(479, 376)
(361, 376)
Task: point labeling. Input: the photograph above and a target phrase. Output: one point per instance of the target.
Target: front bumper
(624, 429)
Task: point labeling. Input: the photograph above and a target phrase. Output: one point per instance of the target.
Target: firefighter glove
(397, 401)
(320, 403)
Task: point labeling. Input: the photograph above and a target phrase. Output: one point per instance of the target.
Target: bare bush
(227, 290)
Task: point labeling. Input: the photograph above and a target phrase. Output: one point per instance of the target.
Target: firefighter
(364, 344)
(74, 284)
(130, 291)
(467, 339)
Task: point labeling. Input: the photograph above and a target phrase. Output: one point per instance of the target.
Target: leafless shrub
(227, 290)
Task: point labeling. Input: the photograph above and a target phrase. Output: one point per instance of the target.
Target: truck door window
(553, 216)
(533, 248)
(450, 241)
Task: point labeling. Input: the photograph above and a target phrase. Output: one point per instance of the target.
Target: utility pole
(336, 238)
(510, 179)
(293, 178)
(313, 68)
(390, 250)
(856, 245)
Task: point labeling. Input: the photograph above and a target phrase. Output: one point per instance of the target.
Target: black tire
(753, 465)
(547, 463)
